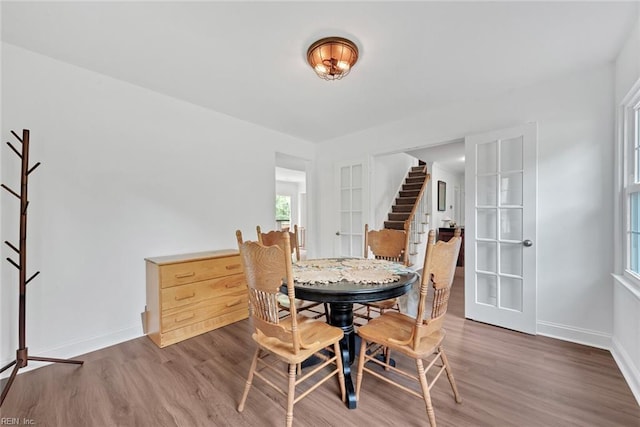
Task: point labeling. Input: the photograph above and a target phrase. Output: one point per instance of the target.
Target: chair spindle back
(265, 269)
(438, 270)
(276, 237)
(390, 245)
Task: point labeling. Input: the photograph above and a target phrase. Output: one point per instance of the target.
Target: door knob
(337, 233)
(528, 243)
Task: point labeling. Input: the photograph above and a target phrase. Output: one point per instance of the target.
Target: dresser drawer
(195, 271)
(180, 334)
(181, 316)
(178, 296)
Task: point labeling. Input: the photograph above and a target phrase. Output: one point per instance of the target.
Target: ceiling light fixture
(332, 57)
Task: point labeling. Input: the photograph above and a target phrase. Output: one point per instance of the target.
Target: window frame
(630, 139)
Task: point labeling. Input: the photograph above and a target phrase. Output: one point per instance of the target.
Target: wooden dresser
(190, 294)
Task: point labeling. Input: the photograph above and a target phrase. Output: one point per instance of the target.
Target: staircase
(408, 212)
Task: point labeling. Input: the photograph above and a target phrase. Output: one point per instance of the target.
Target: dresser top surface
(194, 256)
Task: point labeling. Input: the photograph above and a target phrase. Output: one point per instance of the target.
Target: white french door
(352, 187)
(500, 231)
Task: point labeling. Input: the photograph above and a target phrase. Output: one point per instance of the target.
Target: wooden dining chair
(390, 245)
(417, 338)
(291, 340)
(276, 237)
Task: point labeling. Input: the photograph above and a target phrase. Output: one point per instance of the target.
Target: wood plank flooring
(505, 378)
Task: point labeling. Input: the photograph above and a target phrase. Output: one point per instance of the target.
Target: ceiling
(247, 60)
(291, 175)
(450, 156)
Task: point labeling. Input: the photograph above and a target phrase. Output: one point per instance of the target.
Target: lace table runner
(364, 271)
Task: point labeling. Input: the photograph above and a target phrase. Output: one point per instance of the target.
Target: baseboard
(75, 349)
(628, 369)
(572, 334)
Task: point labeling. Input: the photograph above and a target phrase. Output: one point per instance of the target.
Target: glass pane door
(351, 183)
(500, 288)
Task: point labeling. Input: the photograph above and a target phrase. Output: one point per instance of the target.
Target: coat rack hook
(14, 149)
(33, 168)
(30, 278)
(14, 263)
(17, 137)
(10, 190)
(11, 246)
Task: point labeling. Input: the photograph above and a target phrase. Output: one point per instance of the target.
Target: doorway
(500, 262)
(291, 196)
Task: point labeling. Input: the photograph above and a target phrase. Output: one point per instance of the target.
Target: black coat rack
(22, 356)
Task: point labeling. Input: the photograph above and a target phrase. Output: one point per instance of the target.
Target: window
(283, 211)
(630, 132)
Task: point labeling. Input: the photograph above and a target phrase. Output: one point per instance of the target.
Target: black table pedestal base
(342, 316)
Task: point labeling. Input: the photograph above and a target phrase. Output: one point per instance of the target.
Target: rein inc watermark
(16, 421)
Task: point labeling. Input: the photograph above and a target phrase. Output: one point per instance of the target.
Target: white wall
(627, 66)
(453, 180)
(575, 214)
(626, 302)
(126, 174)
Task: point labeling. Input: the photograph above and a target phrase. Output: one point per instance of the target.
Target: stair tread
(396, 225)
(399, 216)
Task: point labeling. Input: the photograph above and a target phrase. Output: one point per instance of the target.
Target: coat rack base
(22, 360)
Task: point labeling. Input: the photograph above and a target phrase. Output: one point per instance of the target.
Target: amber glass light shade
(332, 57)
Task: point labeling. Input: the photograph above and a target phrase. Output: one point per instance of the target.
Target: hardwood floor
(505, 378)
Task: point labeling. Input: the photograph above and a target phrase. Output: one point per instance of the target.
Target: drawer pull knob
(193, 294)
(236, 302)
(232, 285)
(232, 266)
(182, 319)
(183, 275)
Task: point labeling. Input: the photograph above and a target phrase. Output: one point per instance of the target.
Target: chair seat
(315, 334)
(283, 300)
(397, 326)
(385, 304)
(308, 308)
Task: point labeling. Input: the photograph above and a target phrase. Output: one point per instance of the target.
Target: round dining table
(341, 296)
